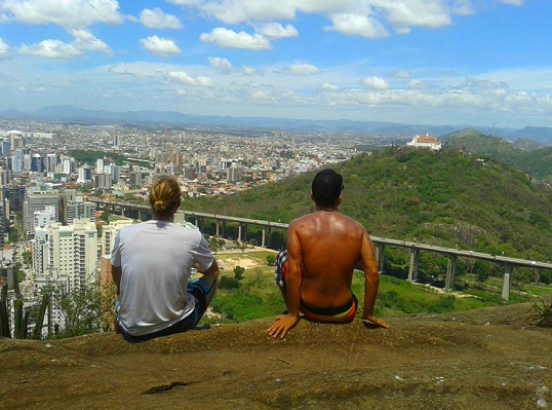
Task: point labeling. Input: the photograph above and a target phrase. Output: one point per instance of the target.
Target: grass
(258, 297)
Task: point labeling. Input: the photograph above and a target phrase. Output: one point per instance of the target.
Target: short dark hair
(326, 187)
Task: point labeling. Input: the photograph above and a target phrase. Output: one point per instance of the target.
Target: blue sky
(478, 62)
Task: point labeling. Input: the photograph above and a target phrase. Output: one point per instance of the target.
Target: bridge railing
(380, 244)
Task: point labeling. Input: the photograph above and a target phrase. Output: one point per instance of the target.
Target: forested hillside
(444, 198)
(525, 155)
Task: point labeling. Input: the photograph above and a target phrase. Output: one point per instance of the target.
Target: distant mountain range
(69, 113)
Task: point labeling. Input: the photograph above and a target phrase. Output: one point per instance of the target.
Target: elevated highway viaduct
(509, 264)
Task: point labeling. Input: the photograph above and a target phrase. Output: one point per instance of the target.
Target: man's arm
(294, 280)
(371, 275)
(116, 273)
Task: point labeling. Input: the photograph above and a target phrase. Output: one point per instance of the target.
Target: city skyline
(435, 62)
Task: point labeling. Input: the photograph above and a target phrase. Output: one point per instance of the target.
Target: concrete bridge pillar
(380, 256)
(245, 233)
(263, 240)
(507, 284)
(140, 215)
(223, 228)
(197, 222)
(123, 212)
(218, 229)
(239, 233)
(414, 266)
(451, 273)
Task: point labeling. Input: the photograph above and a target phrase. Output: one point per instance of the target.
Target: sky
(457, 62)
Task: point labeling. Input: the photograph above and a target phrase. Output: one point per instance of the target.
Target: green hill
(527, 145)
(523, 154)
(442, 198)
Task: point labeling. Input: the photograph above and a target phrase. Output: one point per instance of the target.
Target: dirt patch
(491, 359)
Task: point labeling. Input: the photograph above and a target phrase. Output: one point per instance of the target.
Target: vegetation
(238, 272)
(270, 260)
(441, 198)
(544, 313)
(525, 155)
(90, 157)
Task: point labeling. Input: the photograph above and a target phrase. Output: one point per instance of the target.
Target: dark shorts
(342, 314)
(201, 291)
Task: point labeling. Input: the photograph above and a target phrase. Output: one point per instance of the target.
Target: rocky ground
(491, 359)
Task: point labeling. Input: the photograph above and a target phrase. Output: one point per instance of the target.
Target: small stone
(399, 378)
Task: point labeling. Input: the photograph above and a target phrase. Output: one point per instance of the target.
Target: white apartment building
(109, 232)
(73, 252)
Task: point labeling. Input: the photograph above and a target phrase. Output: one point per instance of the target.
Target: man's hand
(284, 324)
(372, 320)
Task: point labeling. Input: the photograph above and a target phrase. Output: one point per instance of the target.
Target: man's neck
(164, 218)
(326, 209)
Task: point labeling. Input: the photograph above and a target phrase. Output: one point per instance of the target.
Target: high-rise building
(78, 209)
(51, 162)
(117, 140)
(18, 159)
(99, 166)
(15, 195)
(38, 200)
(37, 164)
(190, 173)
(85, 174)
(73, 252)
(234, 174)
(103, 181)
(6, 147)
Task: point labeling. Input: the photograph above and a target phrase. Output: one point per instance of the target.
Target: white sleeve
(203, 256)
(116, 254)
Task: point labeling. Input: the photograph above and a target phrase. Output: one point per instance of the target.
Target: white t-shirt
(156, 259)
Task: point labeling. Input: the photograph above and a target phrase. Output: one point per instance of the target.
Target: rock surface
(488, 359)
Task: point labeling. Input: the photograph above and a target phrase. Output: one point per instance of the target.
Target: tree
(238, 272)
(27, 258)
(81, 311)
(105, 215)
(214, 244)
(270, 260)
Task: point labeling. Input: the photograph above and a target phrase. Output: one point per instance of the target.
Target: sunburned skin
(323, 250)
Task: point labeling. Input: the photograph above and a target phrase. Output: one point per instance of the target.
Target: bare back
(331, 245)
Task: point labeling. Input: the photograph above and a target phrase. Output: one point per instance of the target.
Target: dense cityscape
(54, 239)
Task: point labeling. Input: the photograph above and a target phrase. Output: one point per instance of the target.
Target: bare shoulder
(301, 222)
(354, 225)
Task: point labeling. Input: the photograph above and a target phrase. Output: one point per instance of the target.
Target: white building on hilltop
(425, 141)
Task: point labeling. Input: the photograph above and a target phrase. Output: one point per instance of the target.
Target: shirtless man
(316, 272)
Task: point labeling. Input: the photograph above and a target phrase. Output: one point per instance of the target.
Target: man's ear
(338, 201)
(312, 197)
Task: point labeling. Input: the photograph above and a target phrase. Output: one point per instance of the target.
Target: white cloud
(50, 49)
(366, 18)
(302, 69)
(86, 41)
(251, 71)
(418, 85)
(330, 87)
(4, 49)
(401, 75)
(222, 65)
(512, 2)
(463, 7)
(225, 38)
(476, 84)
(67, 13)
(376, 83)
(156, 18)
(277, 31)
(419, 13)
(358, 25)
(120, 69)
(183, 78)
(160, 46)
